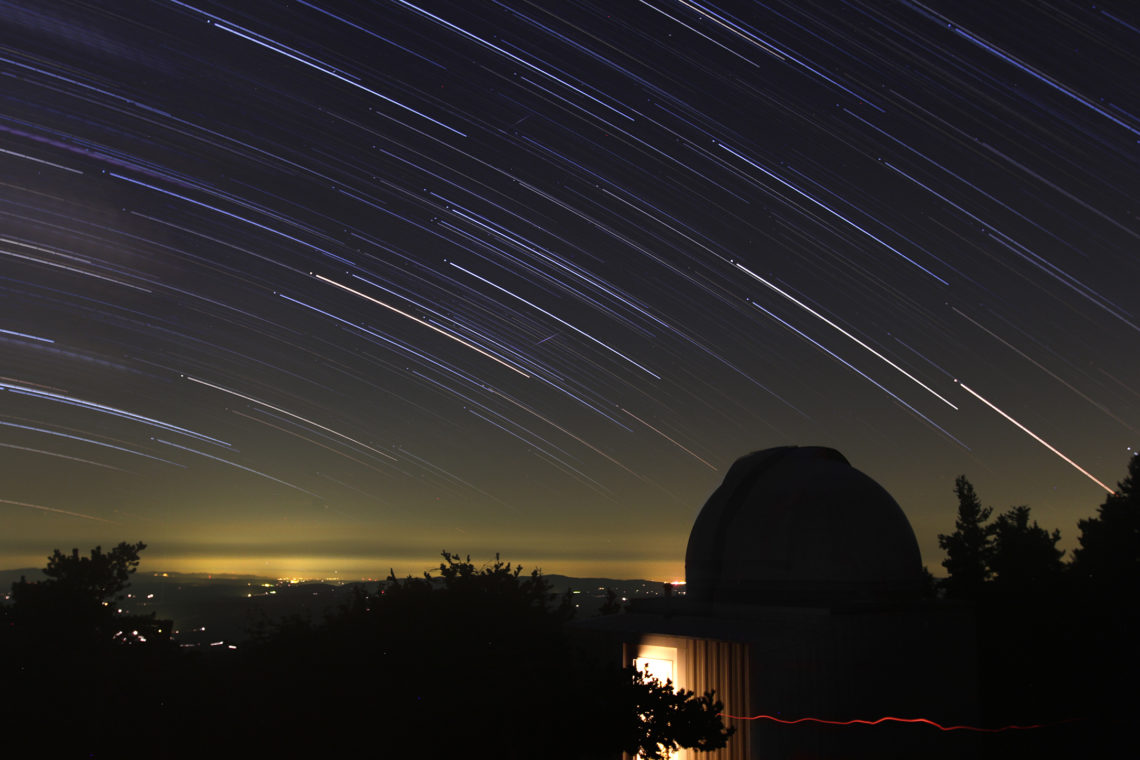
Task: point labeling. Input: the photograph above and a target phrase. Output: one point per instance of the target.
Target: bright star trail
(1035, 437)
(314, 287)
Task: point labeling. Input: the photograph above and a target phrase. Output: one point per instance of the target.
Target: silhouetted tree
(69, 657)
(930, 587)
(498, 584)
(77, 606)
(1047, 655)
(1106, 567)
(668, 719)
(100, 576)
(968, 548)
(1108, 558)
(1024, 558)
(474, 661)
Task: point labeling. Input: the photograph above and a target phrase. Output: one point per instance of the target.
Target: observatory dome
(798, 526)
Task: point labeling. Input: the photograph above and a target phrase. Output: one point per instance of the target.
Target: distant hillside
(8, 577)
(208, 609)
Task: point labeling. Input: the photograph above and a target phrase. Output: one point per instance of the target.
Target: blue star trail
(528, 275)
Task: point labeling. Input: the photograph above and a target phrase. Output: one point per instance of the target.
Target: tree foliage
(70, 657)
(100, 577)
(1108, 558)
(468, 661)
(474, 660)
(78, 602)
(1024, 557)
(1011, 554)
(669, 718)
(969, 548)
(498, 586)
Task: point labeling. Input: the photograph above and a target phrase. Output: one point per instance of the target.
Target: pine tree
(1108, 557)
(969, 548)
(1025, 557)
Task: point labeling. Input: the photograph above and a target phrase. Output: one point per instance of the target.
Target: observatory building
(802, 600)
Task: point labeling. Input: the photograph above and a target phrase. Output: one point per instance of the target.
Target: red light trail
(886, 719)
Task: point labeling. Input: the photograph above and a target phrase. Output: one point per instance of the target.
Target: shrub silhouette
(474, 661)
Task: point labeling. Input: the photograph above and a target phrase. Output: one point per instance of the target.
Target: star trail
(311, 288)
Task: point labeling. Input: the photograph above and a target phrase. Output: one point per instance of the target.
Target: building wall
(792, 664)
(843, 667)
(702, 665)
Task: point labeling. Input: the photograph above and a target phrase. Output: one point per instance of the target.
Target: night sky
(303, 288)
